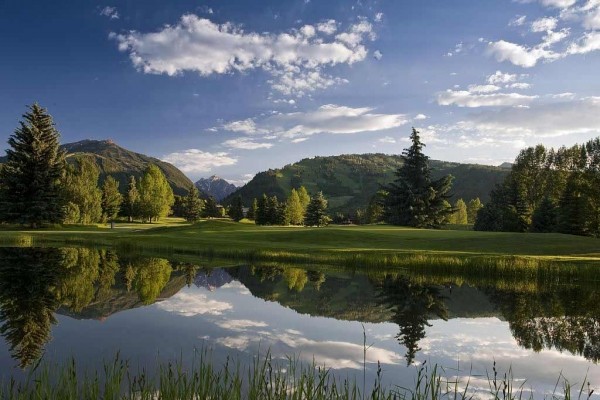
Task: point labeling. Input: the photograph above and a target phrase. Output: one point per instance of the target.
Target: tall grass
(265, 378)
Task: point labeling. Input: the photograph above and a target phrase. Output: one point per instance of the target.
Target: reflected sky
(232, 321)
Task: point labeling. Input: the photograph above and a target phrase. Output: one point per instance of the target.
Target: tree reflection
(28, 300)
(412, 305)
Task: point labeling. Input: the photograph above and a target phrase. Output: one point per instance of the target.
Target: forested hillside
(349, 181)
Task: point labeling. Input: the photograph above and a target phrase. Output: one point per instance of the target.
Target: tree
(472, 209)
(262, 217)
(251, 214)
(272, 210)
(294, 209)
(236, 210)
(413, 199)
(156, 195)
(316, 214)
(304, 197)
(111, 198)
(81, 189)
(374, 211)
(572, 214)
(545, 217)
(192, 205)
(131, 200)
(31, 178)
(460, 213)
(211, 209)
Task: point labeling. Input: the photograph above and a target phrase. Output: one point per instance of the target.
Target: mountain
(121, 163)
(349, 181)
(216, 187)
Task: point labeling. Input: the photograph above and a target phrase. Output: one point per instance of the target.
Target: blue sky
(237, 87)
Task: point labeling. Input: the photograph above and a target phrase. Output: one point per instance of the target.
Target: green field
(226, 238)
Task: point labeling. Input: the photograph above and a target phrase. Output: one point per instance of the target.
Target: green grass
(222, 238)
(265, 378)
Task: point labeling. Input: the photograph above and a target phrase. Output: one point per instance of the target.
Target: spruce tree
(131, 200)
(273, 210)
(111, 198)
(81, 189)
(545, 217)
(30, 180)
(262, 216)
(294, 209)
(251, 214)
(236, 210)
(316, 212)
(156, 195)
(192, 205)
(413, 199)
(211, 210)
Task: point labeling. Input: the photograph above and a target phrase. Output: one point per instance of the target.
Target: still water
(90, 304)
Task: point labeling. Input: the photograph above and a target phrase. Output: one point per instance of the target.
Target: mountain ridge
(216, 187)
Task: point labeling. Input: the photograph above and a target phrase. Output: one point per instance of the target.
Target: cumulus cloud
(519, 20)
(194, 160)
(199, 45)
(420, 116)
(483, 88)
(464, 98)
(330, 118)
(522, 56)
(245, 143)
(378, 55)
(500, 77)
(544, 24)
(190, 304)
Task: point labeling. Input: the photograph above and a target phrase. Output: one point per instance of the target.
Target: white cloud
(194, 160)
(191, 304)
(110, 12)
(500, 77)
(558, 3)
(483, 88)
(464, 98)
(387, 140)
(519, 85)
(590, 42)
(522, 56)
(544, 24)
(379, 17)
(518, 20)
(245, 143)
(330, 118)
(420, 116)
(197, 44)
(241, 324)
(378, 55)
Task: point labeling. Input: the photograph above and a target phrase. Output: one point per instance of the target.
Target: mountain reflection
(543, 312)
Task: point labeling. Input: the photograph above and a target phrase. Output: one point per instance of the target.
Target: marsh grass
(264, 378)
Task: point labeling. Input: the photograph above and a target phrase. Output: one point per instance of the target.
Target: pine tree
(30, 180)
(316, 212)
(81, 189)
(236, 210)
(272, 210)
(262, 216)
(572, 214)
(211, 209)
(460, 215)
(192, 205)
(111, 198)
(251, 214)
(413, 199)
(545, 217)
(472, 209)
(156, 195)
(131, 200)
(295, 210)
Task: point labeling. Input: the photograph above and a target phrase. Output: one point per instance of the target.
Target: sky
(237, 87)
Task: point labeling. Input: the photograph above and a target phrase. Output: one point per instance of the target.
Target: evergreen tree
(178, 209)
(131, 200)
(111, 198)
(251, 214)
(81, 190)
(211, 209)
(545, 217)
(304, 197)
(236, 210)
(472, 209)
(156, 195)
(460, 213)
(375, 210)
(295, 210)
(572, 214)
(192, 205)
(30, 180)
(316, 212)
(262, 216)
(272, 210)
(413, 199)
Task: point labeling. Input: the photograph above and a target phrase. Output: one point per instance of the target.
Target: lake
(92, 303)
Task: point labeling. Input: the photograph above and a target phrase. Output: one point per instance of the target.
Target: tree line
(548, 190)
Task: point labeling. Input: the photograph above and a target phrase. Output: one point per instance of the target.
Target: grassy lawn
(380, 240)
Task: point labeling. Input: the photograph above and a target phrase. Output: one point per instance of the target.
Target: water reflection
(36, 285)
